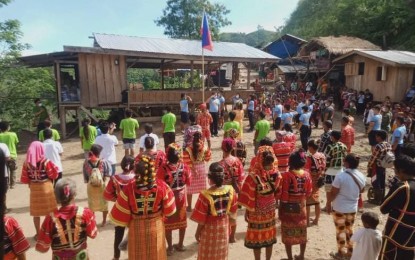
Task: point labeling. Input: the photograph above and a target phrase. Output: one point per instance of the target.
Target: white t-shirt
(53, 149)
(155, 137)
(6, 152)
(346, 199)
(108, 143)
(367, 244)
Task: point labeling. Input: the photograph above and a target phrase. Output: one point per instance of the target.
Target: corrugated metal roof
(400, 57)
(179, 47)
(392, 57)
(302, 69)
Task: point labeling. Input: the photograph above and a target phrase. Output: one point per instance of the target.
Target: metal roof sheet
(400, 57)
(179, 47)
(392, 57)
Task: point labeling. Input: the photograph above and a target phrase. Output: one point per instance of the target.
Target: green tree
(19, 85)
(183, 18)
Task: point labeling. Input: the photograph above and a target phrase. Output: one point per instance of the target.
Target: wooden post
(162, 74)
(58, 81)
(62, 117)
(248, 77)
(191, 75)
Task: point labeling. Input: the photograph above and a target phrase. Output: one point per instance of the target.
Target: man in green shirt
(261, 130)
(169, 127)
(55, 133)
(231, 124)
(128, 127)
(40, 115)
(10, 139)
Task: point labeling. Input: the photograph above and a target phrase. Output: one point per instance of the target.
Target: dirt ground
(321, 238)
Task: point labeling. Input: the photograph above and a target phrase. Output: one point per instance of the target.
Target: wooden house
(96, 77)
(384, 73)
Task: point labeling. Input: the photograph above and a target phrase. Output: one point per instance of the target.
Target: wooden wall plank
(92, 80)
(99, 71)
(83, 80)
(123, 73)
(115, 73)
(106, 60)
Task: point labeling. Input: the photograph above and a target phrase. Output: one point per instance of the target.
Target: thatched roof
(342, 44)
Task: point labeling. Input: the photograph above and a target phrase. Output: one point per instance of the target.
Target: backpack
(387, 160)
(95, 178)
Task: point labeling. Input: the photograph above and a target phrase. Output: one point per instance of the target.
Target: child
(87, 133)
(113, 189)
(148, 128)
(55, 133)
(204, 119)
(176, 175)
(129, 127)
(15, 242)
(368, 240)
(230, 124)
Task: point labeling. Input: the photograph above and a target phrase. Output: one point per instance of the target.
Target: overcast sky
(47, 25)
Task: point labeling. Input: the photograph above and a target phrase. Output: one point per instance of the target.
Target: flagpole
(203, 75)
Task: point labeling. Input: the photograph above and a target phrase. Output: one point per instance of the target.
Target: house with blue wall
(285, 47)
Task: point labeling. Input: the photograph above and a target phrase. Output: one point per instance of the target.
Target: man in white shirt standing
(6, 153)
(53, 151)
(108, 143)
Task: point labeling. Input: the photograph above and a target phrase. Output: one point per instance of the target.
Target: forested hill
(259, 38)
(367, 19)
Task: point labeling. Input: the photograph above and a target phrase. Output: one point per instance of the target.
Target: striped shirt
(378, 153)
(335, 153)
(324, 141)
(15, 242)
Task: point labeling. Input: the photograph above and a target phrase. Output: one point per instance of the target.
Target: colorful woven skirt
(314, 199)
(42, 198)
(294, 226)
(96, 201)
(198, 180)
(179, 219)
(262, 230)
(146, 238)
(214, 240)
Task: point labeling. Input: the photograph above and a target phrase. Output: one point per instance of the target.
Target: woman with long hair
(196, 156)
(95, 191)
(39, 173)
(112, 191)
(213, 211)
(259, 195)
(176, 175)
(295, 189)
(141, 207)
(87, 133)
(68, 228)
(234, 174)
(239, 117)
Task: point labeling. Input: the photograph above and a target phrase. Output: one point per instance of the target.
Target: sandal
(297, 257)
(179, 248)
(338, 256)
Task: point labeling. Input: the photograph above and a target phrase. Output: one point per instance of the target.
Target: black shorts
(169, 137)
(184, 117)
(128, 140)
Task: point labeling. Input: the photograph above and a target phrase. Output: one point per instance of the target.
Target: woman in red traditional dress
(214, 207)
(158, 156)
(234, 174)
(38, 172)
(196, 156)
(259, 195)
(289, 136)
(66, 230)
(141, 206)
(96, 201)
(176, 174)
(282, 150)
(112, 191)
(15, 243)
(295, 189)
(315, 165)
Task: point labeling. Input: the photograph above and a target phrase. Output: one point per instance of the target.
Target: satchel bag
(357, 183)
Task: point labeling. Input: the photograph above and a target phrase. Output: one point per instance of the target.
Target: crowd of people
(153, 193)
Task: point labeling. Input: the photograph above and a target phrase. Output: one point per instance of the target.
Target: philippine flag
(206, 37)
